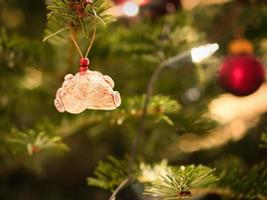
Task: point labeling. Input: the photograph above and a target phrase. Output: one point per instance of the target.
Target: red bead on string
(84, 64)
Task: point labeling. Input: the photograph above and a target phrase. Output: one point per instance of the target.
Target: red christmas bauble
(241, 75)
(139, 2)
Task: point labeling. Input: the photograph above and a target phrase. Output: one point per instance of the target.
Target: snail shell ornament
(86, 90)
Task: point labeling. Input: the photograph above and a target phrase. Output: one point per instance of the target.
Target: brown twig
(141, 127)
(122, 185)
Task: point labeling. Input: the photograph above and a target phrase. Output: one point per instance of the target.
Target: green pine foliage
(160, 108)
(245, 183)
(75, 14)
(109, 174)
(178, 182)
(264, 140)
(160, 180)
(16, 51)
(33, 142)
(128, 51)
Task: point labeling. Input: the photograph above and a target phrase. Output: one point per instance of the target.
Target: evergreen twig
(160, 179)
(149, 93)
(178, 182)
(55, 33)
(77, 13)
(122, 185)
(264, 140)
(245, 184)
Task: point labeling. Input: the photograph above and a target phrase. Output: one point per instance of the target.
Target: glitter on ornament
(86, 90)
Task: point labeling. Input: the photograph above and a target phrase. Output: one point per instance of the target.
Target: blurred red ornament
(241, 75)
(139, 2)
(142, 2)
(119, 1)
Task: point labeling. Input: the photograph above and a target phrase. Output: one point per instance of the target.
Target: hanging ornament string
(75, 43)
(90, 44)
(86, 89)
(92, 40)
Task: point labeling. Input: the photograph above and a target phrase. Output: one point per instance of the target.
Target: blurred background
(202, 112)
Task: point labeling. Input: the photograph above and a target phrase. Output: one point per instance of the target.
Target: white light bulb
(130, 8)
(200, 53)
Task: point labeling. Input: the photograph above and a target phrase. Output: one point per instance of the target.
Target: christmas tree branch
(80, 14)
(178, 181)
(122, 185)
(159, 179)
(55, 33)
(149, 93)
(264, 140)
(245, 183)
(141, 127)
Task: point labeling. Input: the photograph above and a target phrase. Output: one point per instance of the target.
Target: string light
(130, 8)
(200, 53)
